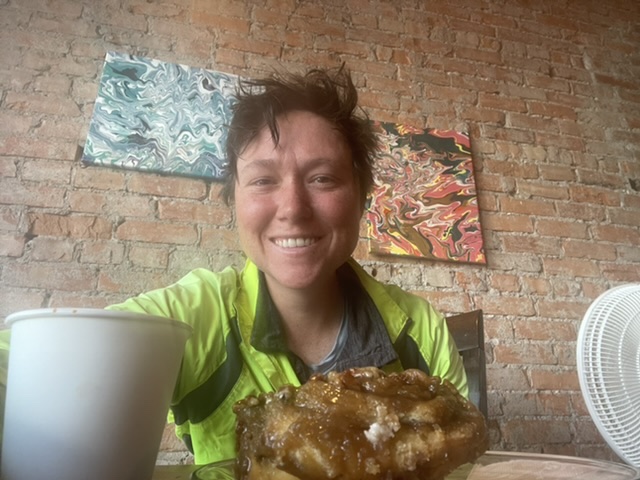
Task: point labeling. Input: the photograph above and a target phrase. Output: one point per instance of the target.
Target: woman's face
(298, 203)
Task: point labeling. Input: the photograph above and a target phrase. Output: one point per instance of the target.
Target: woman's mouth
(294, 242)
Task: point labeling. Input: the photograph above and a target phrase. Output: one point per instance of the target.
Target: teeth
(294, 242)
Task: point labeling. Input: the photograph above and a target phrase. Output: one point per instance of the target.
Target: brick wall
(548, 91)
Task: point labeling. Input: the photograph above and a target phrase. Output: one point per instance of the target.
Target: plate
(532, 466)
(495, 465)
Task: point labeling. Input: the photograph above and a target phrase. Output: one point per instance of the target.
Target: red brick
(581, 211)
(560, 141)
(230, 7)
(571, 267)
(493, 183)
(13, 299)
(589, 249)
(166, 186)
(33, 195)
(544, 330)
(557, 173)
(554, 380)
(601, 179)
(507, 222)
(229, 58)
(156, 232)
(193, 212)
(507, 305)
(59, 299)
(12, 123)
(447, 302)
(620, 272)
(164, 10)
(536, 431)
(47, 249)
(625, 217)
(536, 286)
(511, 135)
(528, 207)
(184, 260)
(224, 239)
(531, 243)
(49, 171)
(507, 379)
(36, 147)
(524, 354)
(629, 253)
(616, 234)
(547, 109)
(10, 218)
(102, 252)
(467, 280)
(11, 245)
(74, 226)
(86, 201)
(222, 22)
(502, 103)
(245, 44)
(560, 228)
(8, 166)
(561, 309)
(131, 282)
(53, 105)
(55, 276)
(99, 178)
(505, 282)
(510, 168)
(631, 201)
(156, 257)
(130, 205)
(60, 128)
(522, 263)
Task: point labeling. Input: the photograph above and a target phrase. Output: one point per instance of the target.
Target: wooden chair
(468, 332)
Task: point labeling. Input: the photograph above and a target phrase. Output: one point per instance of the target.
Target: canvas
(424, 201)
(160, 117)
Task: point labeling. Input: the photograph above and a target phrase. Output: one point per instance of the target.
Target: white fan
(608, 356)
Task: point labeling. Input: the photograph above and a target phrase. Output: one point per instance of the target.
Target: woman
(300, 166)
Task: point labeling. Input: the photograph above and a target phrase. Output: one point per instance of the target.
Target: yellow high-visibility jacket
(222, 365)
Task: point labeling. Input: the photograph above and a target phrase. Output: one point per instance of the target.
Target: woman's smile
(294, 242)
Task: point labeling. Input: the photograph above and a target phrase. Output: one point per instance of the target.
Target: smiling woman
(300, 167)
(297, 204)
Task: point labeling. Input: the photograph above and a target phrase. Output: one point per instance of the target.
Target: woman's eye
(322, 179)
(260, 182)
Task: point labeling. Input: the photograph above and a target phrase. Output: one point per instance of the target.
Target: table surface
(183, 472)
(533, 465)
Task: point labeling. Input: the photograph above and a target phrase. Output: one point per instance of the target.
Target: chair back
(468, 333)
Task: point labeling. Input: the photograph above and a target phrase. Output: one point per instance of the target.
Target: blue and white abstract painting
(160, 117)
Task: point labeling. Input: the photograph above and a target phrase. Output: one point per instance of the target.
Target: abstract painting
(424, 201)
(160, 117)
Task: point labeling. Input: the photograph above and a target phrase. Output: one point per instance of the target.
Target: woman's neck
(311, 318)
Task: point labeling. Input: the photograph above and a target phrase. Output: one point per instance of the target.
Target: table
(491, 465)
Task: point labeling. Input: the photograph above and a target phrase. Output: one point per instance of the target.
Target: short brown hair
(329, 93)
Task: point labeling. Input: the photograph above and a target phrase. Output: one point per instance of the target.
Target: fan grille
(608, 354)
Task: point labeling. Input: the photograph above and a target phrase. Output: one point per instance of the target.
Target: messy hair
(329, 93)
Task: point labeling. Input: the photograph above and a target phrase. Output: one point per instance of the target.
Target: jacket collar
(371, 336)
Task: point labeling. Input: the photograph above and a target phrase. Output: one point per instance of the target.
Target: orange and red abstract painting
(424, 201)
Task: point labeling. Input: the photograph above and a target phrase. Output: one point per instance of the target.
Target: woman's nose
(294, 200)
